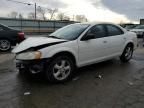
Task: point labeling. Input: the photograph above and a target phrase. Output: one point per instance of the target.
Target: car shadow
(92, 70)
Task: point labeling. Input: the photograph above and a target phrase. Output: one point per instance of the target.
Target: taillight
(21, 35)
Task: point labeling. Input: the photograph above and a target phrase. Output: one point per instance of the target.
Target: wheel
(5, 45)
(60, 69)
(127, 54)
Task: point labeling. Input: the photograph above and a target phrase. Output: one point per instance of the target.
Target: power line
(19, 2)
(35, 5)
(27, 3)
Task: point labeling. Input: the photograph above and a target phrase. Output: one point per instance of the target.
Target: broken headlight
(29, 55)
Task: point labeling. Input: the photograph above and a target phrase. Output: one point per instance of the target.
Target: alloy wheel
(61, 69)
(4, 45)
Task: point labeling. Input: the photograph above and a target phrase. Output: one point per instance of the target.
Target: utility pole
(35, 11)
(35, 6)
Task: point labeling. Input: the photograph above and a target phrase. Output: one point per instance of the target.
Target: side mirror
(88, 37)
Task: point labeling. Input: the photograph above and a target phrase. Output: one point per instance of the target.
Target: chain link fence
(34, 26)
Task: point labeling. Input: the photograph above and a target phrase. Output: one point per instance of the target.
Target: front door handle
(104, 41)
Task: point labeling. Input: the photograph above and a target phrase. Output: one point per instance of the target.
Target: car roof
(94, 23)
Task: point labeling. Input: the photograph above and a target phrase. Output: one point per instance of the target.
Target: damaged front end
(31, 66)
(30, 61)
(29, 58)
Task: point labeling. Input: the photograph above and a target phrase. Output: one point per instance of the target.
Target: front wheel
(127, 54)
(60, 69)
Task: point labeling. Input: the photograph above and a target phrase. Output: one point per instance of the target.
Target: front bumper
(140, 36)
(32, 66)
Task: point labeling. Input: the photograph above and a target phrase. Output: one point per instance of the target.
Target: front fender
(50, 52)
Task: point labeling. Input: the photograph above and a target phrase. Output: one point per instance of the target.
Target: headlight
(29, 55)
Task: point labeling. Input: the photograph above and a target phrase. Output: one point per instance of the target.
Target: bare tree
(81, 18)
(13, 14)
(41, 11)
(60, 16)
(52, 13)
(31, 15)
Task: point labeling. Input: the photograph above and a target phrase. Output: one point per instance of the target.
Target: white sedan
(75, 45)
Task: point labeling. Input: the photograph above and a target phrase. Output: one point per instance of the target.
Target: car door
(96, 49)
(117, 39)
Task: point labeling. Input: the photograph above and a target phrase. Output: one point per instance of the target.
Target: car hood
(34, 42)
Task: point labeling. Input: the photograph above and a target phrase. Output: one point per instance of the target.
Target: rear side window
(98, 31)
(113, 30)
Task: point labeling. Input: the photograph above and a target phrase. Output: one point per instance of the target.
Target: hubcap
(61, 69)
(128, 53)
(4, 45)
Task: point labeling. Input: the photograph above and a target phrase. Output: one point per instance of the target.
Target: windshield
(70, 32)
(140, 27)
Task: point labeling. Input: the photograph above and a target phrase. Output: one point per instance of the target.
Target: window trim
(92, 28)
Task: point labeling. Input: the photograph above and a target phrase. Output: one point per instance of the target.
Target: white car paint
(138, 31)
(85, 52)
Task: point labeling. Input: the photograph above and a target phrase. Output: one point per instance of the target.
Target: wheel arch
(6, 39)
(66, 53)
(129, 43)
(126, 44)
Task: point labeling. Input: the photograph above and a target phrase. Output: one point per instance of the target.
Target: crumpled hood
(34, 42)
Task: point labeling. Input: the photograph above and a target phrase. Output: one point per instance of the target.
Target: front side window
(113, 30)
(98, 31)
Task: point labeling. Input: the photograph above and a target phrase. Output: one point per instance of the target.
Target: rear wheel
(60, 69)
(5, 45)
(127, 54)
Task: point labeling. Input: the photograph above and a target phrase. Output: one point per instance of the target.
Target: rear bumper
(14, 42)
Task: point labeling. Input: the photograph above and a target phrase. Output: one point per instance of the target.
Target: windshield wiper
(54, 37)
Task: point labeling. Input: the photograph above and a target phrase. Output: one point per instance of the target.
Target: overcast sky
(94, 10)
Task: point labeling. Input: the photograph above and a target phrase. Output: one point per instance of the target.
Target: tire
(127, 53)
(5, 45)
(60, 69)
